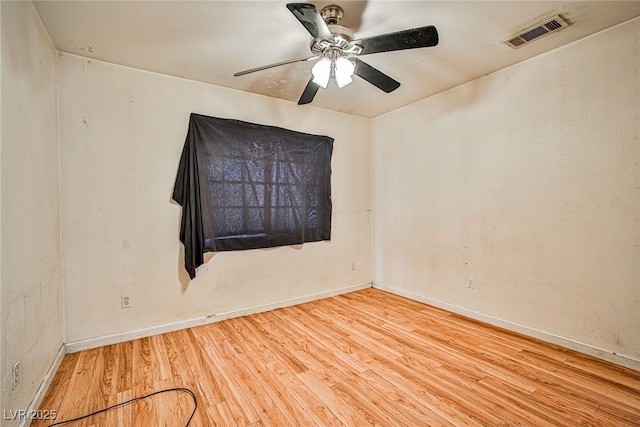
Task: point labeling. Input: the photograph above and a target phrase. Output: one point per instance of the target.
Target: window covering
(245, 186)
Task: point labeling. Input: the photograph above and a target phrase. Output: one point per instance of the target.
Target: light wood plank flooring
(359, 359)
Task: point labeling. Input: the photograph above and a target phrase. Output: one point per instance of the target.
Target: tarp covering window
(245, 186)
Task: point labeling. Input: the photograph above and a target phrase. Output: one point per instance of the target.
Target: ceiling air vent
(547, 26)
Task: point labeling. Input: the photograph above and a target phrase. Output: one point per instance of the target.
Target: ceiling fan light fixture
(337, 51)
(322, 72)
(343, 71)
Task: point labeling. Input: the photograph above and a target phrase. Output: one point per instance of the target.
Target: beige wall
(121, 134)
(526, 181)
(30, 287)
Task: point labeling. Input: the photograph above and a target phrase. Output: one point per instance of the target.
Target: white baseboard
(44, 385)
(76, 346)
(618, 359)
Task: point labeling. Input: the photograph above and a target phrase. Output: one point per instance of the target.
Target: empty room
(354, 213)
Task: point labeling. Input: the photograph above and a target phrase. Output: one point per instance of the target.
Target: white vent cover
(542, 29)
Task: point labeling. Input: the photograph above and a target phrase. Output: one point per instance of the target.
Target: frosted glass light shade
(343, 71)
(322, 72)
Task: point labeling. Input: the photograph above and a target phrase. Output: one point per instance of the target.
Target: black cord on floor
(135, 399)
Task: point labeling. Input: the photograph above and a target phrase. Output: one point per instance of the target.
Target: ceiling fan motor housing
(342, 36)
(332, 15)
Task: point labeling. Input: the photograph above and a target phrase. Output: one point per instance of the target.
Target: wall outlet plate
(125, 301)
(15, 375)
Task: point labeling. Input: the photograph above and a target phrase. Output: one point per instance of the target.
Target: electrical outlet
(353, 266)
(15, 375)
(125, 301)
(471, 284)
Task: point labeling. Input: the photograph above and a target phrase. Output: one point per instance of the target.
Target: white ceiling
(208, 41)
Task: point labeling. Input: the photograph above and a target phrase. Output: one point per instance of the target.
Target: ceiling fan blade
(374, 76)
(407, 39)
(309, 92)
(277, 64)
(309, 16)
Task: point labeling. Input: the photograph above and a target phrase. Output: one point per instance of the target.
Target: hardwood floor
(360, 359)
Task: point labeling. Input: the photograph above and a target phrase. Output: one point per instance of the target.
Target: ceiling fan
(338, 53)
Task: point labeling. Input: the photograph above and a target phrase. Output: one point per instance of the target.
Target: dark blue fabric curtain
(245, 186)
